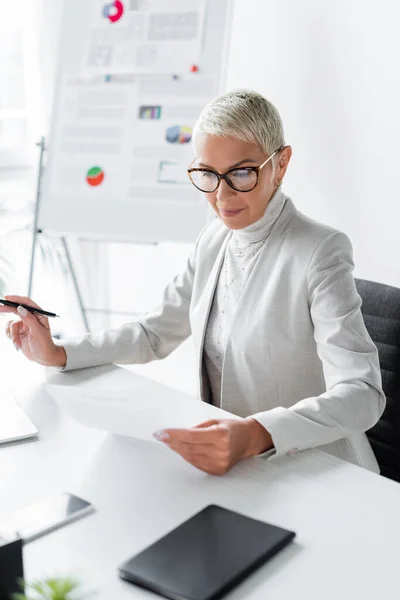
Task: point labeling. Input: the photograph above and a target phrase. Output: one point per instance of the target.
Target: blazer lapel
(252, 291)
(204, 305)
(266, 260)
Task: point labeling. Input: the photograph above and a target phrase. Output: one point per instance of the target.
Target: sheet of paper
(126, 137)
(145, 36)
(137, 414)
(91, 160)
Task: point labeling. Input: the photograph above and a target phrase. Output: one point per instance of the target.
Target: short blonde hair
(243, 115)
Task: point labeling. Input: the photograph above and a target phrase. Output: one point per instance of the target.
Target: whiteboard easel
(119, 218)
(36, 232)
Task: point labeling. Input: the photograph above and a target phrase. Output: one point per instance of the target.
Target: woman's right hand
(32, 334)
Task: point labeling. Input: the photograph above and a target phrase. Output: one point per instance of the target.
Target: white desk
(347, 519)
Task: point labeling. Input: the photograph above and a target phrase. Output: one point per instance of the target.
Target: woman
(269, 297)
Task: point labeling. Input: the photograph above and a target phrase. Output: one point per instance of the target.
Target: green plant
(63, 588)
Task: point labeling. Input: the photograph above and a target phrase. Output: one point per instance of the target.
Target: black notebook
(206, 556)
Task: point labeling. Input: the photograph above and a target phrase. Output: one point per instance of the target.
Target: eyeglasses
(242, 179)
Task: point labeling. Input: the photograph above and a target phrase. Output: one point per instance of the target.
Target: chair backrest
(381, 312)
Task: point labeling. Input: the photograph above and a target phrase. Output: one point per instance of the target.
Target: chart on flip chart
(133, 76)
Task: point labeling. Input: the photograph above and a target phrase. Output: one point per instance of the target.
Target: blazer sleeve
(151, 337)
(354, 400)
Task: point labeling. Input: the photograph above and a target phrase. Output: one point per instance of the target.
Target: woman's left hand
(218, 444)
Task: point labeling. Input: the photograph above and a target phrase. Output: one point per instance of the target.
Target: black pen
(32, 309)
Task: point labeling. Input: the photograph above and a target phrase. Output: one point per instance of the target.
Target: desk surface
(347, 519)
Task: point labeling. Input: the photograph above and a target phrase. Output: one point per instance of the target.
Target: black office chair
(381, 312)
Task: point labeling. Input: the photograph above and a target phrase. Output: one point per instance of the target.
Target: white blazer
(298, 356)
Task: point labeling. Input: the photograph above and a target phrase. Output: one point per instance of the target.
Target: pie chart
(95, 176)
(178, 134)
(113, 11)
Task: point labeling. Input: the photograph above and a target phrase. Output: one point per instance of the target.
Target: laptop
(15, 425)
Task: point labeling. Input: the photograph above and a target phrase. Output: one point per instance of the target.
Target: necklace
(228, 282)
(244, 268)
(238, 252)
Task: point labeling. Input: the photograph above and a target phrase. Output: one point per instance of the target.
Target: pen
(32, 309)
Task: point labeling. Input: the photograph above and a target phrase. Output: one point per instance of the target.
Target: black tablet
(206, 556)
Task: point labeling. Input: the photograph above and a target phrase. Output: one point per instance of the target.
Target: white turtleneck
(242, 253)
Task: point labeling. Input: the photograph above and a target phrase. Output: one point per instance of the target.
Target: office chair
(381, 312)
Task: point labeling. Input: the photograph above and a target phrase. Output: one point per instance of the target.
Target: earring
(278, 182)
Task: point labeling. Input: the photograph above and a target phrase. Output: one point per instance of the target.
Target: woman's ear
(285, 157)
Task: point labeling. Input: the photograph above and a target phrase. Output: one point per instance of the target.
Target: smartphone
(38, 519)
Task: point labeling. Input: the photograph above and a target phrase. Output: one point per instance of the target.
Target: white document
(145, 37)
(167, 109)
(126, 138)
(91, 160)
(133, 413)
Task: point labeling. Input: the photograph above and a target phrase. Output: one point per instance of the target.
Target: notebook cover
(206, 556)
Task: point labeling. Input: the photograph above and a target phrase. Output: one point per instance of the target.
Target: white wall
(42, 31)
(332, 68)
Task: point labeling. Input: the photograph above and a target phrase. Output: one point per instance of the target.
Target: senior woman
(269, 297)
